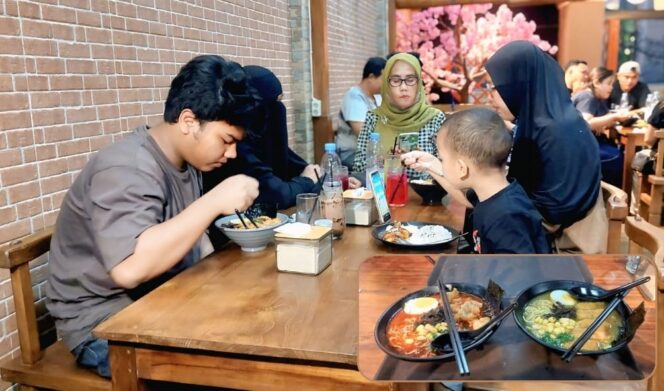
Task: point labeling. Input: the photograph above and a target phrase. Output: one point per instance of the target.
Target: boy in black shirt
(474, 145)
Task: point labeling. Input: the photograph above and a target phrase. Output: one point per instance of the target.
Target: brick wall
(76, 74)
(354, 36)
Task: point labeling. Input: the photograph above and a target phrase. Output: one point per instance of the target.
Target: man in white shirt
(357, 101)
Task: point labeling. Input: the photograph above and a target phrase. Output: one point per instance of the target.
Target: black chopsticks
(237, 213)
(455, 340)
(569, 355)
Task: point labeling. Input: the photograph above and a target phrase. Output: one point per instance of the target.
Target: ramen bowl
(251, 239)
(547, 303)
(391, 320)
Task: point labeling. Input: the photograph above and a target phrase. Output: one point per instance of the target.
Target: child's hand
(422, 161)
(236, 192)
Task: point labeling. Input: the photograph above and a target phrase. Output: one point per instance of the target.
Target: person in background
(576, 76)
(474, 145)
(592, 104)
(555, 157)
(357, 101)
(404, 108)
(134, 216)
(628, 82)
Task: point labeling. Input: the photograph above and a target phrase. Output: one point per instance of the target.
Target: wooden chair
(652, 194)
(42, 363)
(615, 201)
(643, 234)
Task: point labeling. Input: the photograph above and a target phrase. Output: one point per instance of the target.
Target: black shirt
(508, 223)
(657, 117)
(637, 96)
(555, 156)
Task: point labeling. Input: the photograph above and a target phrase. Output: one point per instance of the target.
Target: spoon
(592, 294)
(442, 342)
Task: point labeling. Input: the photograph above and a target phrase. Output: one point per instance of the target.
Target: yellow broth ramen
(561, 324)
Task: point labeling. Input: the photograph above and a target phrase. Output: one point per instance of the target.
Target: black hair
(598, 75)
(414, 54)
(374, 66)
(573, 63)
(214, 89)
(480, 135)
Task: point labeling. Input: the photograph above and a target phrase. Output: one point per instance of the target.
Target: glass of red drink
(342, 176)
(397, 181)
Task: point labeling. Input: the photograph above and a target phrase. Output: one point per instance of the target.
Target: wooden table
(630, 138)
(233, 321)
(385, 279)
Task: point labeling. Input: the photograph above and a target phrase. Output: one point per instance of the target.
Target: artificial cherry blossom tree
(455, 41)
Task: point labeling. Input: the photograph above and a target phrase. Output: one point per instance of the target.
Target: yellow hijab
(392, 121)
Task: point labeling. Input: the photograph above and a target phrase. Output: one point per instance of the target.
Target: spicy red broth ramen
(411, 334)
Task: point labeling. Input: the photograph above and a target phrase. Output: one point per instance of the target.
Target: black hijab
(555, 156)
(271, 131)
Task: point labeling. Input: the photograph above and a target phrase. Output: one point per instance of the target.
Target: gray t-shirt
(122, 191)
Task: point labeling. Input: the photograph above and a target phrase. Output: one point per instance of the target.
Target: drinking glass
(397, 181)
(308, 208)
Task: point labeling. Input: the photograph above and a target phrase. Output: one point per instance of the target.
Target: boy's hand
(236, 192)
(310, 172)
(422, 161)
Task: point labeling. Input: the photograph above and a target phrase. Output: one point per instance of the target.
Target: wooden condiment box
(360, 209)
(307, 254)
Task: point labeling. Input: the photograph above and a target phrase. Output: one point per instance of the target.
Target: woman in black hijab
(281, 173)
(555, 156)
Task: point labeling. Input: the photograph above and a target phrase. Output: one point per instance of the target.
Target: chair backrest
(643, 234)
(659, 159)
(615, 201)
(16, 256)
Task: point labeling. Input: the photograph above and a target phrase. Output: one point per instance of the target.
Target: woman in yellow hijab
(404, 109)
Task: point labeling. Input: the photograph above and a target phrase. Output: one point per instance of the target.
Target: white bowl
(250, 240)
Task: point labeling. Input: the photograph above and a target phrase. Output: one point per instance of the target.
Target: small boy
(474, 145)
(135, 215)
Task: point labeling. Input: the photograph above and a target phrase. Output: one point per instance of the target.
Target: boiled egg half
(562, 298)
(420, 305)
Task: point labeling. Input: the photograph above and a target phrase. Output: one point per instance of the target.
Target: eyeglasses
(409, 80)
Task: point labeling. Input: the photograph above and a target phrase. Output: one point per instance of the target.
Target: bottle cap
(374, 136)
(330, 147)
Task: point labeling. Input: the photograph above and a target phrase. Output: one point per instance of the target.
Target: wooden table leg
(630, 150)
(124, 376)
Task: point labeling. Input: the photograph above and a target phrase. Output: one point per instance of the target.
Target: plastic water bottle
(331, 161)
(624, 101)
(375, 159)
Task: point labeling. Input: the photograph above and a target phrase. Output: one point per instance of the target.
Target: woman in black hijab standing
(555, 156)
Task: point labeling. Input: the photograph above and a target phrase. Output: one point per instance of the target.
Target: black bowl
(542, 287)
(380, 332)
(431, 194)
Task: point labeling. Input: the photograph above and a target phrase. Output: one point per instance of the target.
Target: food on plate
(558, 319)
(261, 222)
(404, 233)
(396, 233)
(411, 330)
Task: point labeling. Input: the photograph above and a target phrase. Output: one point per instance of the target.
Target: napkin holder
(360, 208)
(308, 253)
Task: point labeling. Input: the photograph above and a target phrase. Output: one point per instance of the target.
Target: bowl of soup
(251, 238)
(407, 328)
(554, 318)
(430, 191)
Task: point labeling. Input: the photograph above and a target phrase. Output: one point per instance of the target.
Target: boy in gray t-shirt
(135, 216)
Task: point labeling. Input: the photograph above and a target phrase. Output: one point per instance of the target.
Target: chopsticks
(237, 213)
(569, 355)
(431, 260)
(455, 340)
